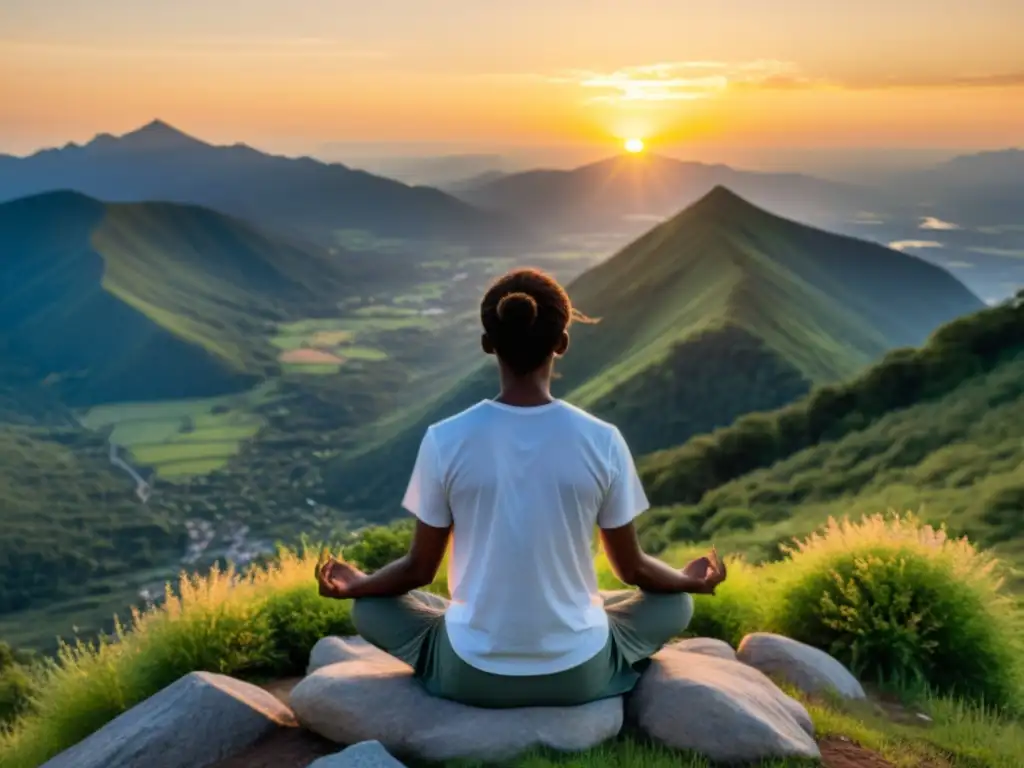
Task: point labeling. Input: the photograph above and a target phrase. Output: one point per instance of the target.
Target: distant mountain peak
(723, 202)
(154, 135)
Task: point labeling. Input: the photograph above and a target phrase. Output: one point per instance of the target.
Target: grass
(182, 438)
(955, 459)
(311, 369)
(262, 625)
(721, 311)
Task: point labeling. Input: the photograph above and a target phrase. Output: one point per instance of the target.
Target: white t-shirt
(524, 488)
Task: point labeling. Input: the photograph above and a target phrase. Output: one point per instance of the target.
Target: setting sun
(634, 145)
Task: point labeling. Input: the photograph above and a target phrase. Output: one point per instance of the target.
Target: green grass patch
(362, 353)
(157, 455)
(424, 293)
(263, 625)
(181, 436)
(312, 369)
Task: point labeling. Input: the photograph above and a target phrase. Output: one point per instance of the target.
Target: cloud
(680, 80)
(903, 245)
(668, 81)
(990, 80)
(931, 222)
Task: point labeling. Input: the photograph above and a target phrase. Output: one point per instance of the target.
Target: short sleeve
(624, 499)
(426, 497)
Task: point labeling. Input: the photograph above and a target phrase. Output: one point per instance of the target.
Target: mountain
(985, 189)
(300, 196)
(69, 518)
(625, 194)
(439, 171)
(937, 430)
(722, 310)
(108, 302)
(468, 184)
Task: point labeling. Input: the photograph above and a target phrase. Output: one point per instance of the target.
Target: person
(519, 484)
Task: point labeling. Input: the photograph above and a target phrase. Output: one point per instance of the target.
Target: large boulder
(811, 670)
(366, 754)
(706, 646)
(723, 709)
(197, 721)
(373, 697)
(331, 650)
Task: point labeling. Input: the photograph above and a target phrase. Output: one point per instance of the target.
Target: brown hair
(524, 314)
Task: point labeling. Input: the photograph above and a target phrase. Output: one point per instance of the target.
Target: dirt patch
(837, 752)
(309, 357)
(282, 689)
(285, 748)
(893, 710)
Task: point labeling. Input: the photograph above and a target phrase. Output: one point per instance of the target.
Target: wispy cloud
(680, 80)
(989, 80)
(903, 245)
(689, 80)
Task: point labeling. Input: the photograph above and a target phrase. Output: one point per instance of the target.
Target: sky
(487, 75)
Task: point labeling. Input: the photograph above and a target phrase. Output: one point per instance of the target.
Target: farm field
(182, 438)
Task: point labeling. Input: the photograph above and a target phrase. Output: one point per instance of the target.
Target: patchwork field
(182, 438)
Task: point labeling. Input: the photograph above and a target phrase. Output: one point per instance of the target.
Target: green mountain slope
(69, 517)
(941, 427)
(292, 195)
(145, 301)
(723, 310)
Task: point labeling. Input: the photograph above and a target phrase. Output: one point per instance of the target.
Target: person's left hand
(336, 577)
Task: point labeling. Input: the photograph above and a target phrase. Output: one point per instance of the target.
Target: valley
(212, 381)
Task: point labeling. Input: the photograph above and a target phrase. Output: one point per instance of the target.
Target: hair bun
(518, 309)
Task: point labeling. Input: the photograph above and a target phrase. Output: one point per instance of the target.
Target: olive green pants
(411, 628)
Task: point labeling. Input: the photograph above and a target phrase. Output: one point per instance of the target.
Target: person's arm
(426, 497)
(624, 500)
(636, 568)
(415, 569)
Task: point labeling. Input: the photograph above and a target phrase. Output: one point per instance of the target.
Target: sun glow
(634, 146)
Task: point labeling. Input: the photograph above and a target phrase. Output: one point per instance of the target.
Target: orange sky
(945, 73)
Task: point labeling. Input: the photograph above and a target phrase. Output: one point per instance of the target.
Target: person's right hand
(710, 569)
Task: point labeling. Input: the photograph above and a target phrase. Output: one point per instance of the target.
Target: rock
(331, 650)
(198, 720)
(366, 754)
(374, 698)
(706, 646)
(722, 709)
(811, 670)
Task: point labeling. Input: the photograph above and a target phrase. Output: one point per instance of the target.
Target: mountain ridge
(621, 192)
(721, 310)
(293, 195)
(129, 301)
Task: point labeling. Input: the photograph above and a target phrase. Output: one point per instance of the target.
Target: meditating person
(519, 484)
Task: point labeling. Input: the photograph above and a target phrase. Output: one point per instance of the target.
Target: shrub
(379, 545)
(17, 682)
(737, 607)
(900, 602)
(262, 623)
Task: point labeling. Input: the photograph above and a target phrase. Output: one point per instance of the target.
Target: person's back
(526, 488)
(519, 485)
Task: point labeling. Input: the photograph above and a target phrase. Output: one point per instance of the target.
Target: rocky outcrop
(810, 670)
(197, 721)
(722, 709)
(707, 646)
(366, 754)
(373, 697)
(332, 650)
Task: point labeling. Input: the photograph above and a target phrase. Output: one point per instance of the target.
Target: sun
(634, 146)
